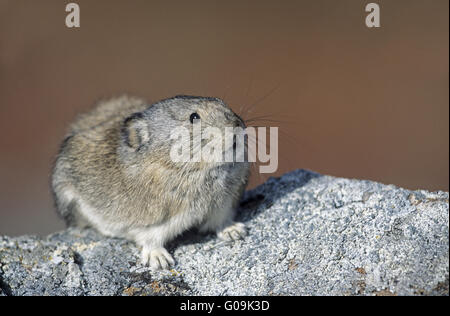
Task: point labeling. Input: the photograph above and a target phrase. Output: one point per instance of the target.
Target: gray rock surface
(308, 235)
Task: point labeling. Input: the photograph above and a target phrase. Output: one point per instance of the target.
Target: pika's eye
(194, 116)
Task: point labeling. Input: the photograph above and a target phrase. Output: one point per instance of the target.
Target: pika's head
(168, 132)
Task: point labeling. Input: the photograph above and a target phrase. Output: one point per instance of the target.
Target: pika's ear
(135, 130)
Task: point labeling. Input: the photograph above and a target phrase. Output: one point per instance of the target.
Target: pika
(113, 173)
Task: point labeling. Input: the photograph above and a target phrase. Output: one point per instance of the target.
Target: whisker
(292, 142)
(268, 120)
(247, 109)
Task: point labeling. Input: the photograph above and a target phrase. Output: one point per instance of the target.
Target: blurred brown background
(366, 103)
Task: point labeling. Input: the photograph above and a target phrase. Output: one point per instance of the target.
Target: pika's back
(88, 154)
(87, 158)
(107, 114)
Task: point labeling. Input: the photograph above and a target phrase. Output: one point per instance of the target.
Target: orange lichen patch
(292, 265)
(130, 291)
(361, 271)
(156, 286)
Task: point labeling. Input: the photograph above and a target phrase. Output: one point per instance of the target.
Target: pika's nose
(239, 122)
(235, 119)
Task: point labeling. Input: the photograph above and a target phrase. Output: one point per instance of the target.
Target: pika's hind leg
(68, 207)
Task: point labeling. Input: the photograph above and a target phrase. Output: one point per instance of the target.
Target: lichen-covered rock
(308, 235)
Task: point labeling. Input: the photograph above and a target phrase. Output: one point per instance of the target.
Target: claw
(157, 258)
(233, 232)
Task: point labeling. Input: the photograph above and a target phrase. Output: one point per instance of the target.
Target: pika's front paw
(157, 258)
(233, 232)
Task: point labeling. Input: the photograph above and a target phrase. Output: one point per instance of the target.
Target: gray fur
(114, 173)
